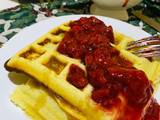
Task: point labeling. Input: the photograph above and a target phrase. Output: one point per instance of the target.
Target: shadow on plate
(18, 78)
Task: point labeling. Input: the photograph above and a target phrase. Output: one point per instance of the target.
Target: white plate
(8, 111)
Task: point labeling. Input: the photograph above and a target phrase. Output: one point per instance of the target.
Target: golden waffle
(41, 61)
(42, 104)
(37, 102)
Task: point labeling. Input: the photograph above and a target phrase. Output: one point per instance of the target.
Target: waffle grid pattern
(41, 60)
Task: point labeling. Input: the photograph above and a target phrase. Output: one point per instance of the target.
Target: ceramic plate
(8, 111)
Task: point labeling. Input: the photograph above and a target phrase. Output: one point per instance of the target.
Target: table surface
(14, 19)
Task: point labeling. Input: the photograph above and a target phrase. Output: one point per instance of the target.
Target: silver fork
(147, 47)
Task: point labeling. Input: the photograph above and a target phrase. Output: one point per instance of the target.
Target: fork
(147, 47)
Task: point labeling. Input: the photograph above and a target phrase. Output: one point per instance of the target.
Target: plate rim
(66, 18)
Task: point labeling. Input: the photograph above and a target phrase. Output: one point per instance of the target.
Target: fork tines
(146, 47)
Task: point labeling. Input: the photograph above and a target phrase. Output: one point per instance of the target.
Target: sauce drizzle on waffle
(44, 61)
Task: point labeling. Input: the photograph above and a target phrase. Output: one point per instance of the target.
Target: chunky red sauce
(152, 111)
(111, 76)
(76, 77)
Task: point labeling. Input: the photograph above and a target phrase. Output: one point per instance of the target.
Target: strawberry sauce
(111, 75)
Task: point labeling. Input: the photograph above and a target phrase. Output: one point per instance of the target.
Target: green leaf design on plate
(70, 4)
(154, 6)
(1, 28)
(21, 11)
(19, 14)
(10, 35)
(62, 13)
(149, 29)
(157, 19)
(54, 5)
(133, 20)
(27, 6)
(25, 21)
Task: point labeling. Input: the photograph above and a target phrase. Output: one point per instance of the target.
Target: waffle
(37, 102)
(41, 61)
